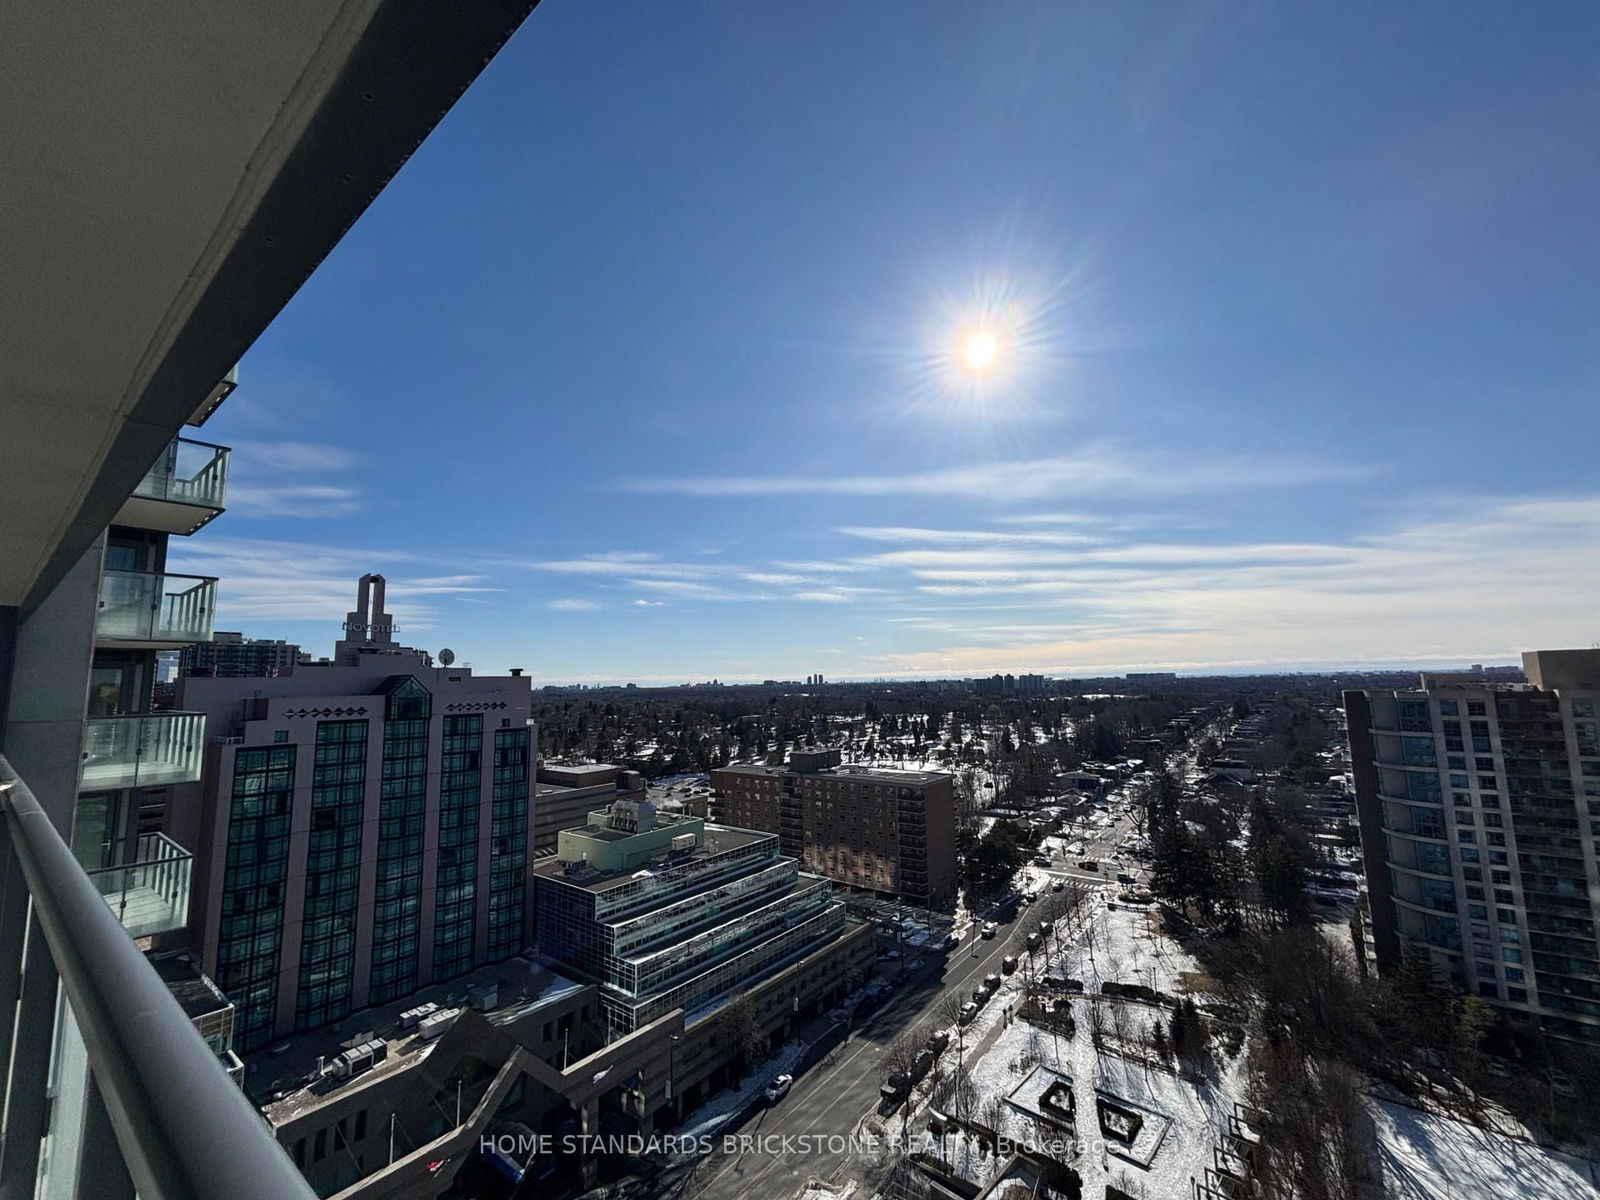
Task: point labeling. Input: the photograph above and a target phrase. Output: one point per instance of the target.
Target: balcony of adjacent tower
(151, 894)
(152, 610)
(182, 492)
(142, 750)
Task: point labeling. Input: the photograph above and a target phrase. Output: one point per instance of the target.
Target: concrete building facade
(1479, 807)
(231, 654)
(363, 828)
(566, 793)
(870, 827)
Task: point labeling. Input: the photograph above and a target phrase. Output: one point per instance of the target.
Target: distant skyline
(942, 340)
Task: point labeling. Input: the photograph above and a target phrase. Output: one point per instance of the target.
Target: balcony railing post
(26, 1105)
(185, 1130)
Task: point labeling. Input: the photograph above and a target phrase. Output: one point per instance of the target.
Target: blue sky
(650, 364)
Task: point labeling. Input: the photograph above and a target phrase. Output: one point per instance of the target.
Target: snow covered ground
(1429, 1157)
(711, 1116)
(1183, 1119)
(1195, 1115)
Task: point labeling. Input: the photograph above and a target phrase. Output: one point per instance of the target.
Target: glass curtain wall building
(356, 844)
(667, 912)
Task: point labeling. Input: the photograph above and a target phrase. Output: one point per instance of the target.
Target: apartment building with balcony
(1479, 806)
(875, 828)
(175, 200)
(667, 912)
(231, 655)
(362, 829)
(134, 748)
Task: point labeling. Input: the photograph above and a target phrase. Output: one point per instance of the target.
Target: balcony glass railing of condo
(182, 1129)
(153, 609)
(142, 750)
(150, 895)
(183, 490)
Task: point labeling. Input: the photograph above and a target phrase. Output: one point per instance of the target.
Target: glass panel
(142, 751)
(151, 607)
(188, 472)
(150, 895)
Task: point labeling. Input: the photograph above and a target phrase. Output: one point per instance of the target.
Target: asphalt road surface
(800, 1136)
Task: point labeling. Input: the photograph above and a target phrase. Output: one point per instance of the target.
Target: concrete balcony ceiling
(175, 172)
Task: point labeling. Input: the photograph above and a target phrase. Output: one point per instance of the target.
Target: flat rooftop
(189, 985)
(583, 774)
(848, 771)
(523, 985)
(718, 839)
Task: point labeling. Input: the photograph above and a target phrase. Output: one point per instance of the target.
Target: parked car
(1033, 941)
(894, 1088)
(968, 1011)
(1089, 864)
(779, 1088)
(1009, 963)
(1046, 928)
(989, 928)
(1057, 885)
(992, 983)
(938, 1040)
(1124, 877)
(922, 1064)
(1041, 860)
(980, 994)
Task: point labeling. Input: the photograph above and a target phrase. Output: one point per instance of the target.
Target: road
(830, 1099)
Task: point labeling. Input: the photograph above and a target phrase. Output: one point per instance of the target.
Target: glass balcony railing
(164, 1116)
(183, 490)
(190, 472)
(155, 609)
(150, 895)
(142, 750)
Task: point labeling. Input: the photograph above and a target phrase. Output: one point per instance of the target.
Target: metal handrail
(185, 1129)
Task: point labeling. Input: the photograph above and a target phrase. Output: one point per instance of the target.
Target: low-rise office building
(667, 912)
(566, 793)
(885, 830)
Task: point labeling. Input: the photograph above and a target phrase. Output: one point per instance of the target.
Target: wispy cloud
(276, 581)
(295, 458)
(269, 479)
(573, 604)
(718, 582)
(291, 500)
(1089, 472)
(955, 537)
(1481, 581)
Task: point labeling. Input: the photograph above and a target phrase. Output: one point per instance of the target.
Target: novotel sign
(369, 630)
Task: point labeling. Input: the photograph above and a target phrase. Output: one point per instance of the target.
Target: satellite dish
(447, 657)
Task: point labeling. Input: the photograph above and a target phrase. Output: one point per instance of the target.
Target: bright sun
(980, 350)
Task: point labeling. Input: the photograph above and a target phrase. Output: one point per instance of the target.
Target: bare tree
(956, 1094)
(948, 1012)
(738, 1027)
(1097, 1025)
(900, 1058)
